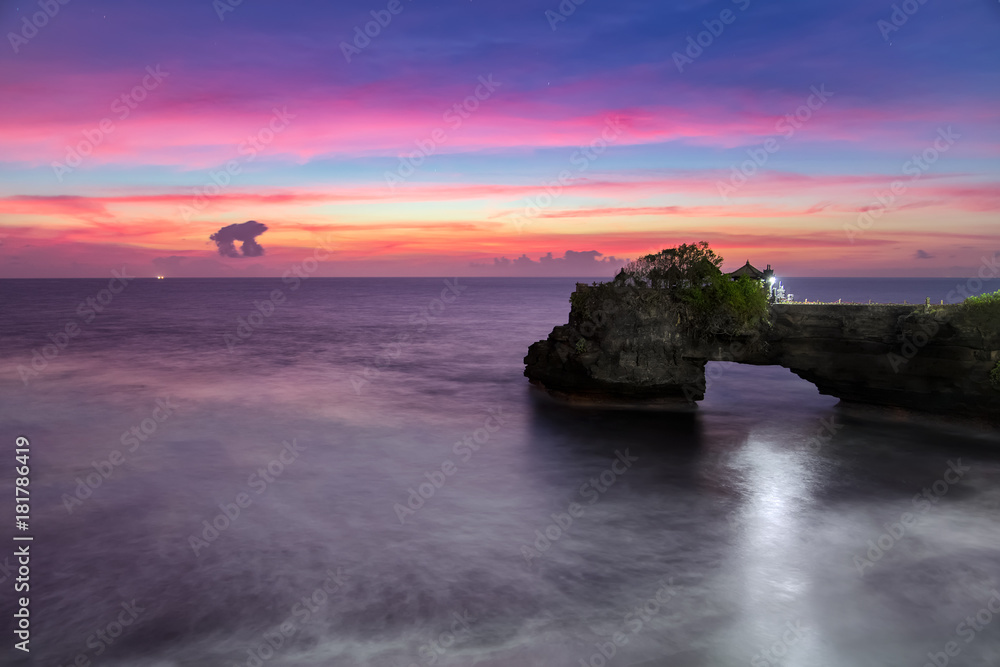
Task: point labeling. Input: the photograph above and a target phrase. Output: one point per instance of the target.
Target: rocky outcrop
(626, 350)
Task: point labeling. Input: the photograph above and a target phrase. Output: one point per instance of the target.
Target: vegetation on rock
(986, 302)
(984, 310)
(685, 267)
(689, 281)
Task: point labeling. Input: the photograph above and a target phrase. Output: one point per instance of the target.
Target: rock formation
(630, 350)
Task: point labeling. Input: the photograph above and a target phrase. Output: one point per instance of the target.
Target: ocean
(354, 472)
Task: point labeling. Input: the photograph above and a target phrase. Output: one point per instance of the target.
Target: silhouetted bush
(686, 280)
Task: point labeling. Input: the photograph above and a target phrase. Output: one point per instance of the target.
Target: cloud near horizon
(246, 233)
(572, 263)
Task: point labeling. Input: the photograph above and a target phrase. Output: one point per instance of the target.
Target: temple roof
(747, 270)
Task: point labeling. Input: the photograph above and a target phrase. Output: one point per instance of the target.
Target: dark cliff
(632, 350)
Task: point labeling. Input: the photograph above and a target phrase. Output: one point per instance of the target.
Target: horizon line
(479, 277)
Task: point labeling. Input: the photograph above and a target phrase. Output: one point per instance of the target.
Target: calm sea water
(407, 498)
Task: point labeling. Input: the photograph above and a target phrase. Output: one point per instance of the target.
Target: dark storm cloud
(245, 233)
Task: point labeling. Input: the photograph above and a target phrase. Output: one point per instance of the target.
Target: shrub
(983, 310)
(688, 279)
(995, 376)
(990, 301)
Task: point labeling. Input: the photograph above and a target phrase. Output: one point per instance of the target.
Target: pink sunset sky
(490, 140)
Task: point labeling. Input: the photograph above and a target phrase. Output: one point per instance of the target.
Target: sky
(433, 138)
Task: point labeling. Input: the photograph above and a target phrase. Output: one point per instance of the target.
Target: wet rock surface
(935, 359)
